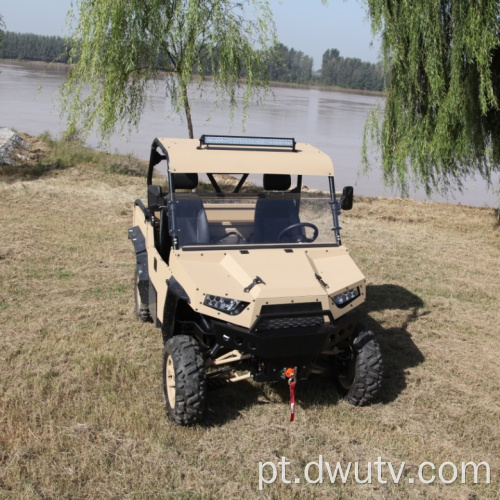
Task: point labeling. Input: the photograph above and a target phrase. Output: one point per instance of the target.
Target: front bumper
(275, 347)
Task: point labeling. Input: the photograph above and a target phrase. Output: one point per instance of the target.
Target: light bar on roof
(234, 140)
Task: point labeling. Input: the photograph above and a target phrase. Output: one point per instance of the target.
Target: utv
(245, 272)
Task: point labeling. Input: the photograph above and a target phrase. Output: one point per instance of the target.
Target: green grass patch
(48, 154)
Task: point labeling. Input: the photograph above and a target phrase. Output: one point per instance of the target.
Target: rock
(13, 147)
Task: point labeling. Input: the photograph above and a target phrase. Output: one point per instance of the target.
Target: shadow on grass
(230, 402)
(28, 172)
(103, 162)
(399, 353)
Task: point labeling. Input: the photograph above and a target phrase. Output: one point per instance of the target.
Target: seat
(273, 215)
(191, 222)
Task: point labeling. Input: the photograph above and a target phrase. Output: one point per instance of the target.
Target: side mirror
(347, 198)
(155, 197)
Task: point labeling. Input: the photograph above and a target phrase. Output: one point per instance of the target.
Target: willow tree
(121, 48)
(441, 121)
(2, 27)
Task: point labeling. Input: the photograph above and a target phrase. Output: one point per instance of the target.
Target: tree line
(285, 64)
(351, 72)
(290, 65)
(31, 47)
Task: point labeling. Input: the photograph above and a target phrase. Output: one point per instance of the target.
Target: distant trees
(30, 47)
(290, 65)
(350, 72)
(285, 64)
(2, 27)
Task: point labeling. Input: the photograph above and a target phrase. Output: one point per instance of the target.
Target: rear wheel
(184, 382)
(141, 308)
(359, 369)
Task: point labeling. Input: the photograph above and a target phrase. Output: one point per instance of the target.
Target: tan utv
(248, 281)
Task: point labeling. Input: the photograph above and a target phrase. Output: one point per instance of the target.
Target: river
(332, 121)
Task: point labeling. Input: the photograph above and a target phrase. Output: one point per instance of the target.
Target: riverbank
(64, 68)
(80, 392)
(327, 88)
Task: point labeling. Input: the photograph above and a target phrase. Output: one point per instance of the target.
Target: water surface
(332, 121)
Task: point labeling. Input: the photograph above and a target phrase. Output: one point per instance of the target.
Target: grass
(81, 404)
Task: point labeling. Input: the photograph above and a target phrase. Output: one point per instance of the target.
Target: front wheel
(184, 382)
(359, 370)
(141, 308)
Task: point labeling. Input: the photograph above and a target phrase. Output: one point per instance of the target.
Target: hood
(269, 275)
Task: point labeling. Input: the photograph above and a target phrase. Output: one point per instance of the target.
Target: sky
(304, 25)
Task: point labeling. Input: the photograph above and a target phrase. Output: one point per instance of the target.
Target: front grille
(284, 316)
(292, 322)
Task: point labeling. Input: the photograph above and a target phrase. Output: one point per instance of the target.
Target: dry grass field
(81, 403)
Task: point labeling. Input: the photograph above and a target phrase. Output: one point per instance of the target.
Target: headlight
(225, 304)
(342, 299)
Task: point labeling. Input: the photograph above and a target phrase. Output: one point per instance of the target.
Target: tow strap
(292, 399)
(290, 374)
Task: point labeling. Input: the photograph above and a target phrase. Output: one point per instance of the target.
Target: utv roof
(233, 155)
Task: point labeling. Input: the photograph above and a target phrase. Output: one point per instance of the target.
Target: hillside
(81, 404)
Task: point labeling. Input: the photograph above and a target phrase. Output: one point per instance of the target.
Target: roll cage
(235, 155)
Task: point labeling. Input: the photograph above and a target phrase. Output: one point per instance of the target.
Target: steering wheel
(225, 235)
(300, 224)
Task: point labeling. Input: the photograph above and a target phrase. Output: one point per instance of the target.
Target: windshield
(261, 218)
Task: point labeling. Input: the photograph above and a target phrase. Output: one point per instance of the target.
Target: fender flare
(169, 312)
(141, 255)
